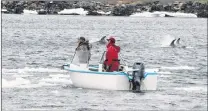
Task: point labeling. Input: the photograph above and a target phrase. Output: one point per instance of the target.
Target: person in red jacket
(111, 62)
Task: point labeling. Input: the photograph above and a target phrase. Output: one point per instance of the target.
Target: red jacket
(112, 54)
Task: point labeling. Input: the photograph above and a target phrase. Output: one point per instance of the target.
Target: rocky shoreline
(118, 9)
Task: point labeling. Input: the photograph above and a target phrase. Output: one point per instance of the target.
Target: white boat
(84, 75)
(76, 11)
(25, 11)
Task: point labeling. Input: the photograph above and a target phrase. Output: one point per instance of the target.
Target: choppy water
(34, 47)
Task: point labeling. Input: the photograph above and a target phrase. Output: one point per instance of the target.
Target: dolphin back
(103, 38)
(178, 41)
(172, 43)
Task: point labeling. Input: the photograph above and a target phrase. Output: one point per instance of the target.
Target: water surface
(35, 46)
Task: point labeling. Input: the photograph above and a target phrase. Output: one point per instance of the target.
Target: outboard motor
(138, 75)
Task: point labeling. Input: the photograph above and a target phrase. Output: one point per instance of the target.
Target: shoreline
(102, 9)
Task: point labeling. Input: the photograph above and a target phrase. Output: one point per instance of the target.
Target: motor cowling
(138, 75)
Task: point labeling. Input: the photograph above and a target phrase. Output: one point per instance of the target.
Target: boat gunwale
(107, 73)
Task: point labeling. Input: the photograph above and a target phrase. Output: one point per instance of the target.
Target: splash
(164, 76)
(57, 79)
(178, 67)
(166, 72)
(27, 69)
(51, 80)
(166, 40)
(152, 70)
(22, 83)
(15, 83)
(194, 88)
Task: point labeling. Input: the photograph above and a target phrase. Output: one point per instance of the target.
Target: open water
(34, 47)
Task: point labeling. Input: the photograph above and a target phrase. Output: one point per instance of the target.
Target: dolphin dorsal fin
(178, 41)
(103, 38)
(172, 43)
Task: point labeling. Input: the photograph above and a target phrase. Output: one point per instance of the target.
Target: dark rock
(203, 14)
(123, 10)
(93, 13)
(53, 7)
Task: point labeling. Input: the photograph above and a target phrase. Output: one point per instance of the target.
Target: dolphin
(100, 42)
(176, 43)
(103, 40)
(172, 44)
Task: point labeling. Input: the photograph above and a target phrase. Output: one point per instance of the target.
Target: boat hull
(99, 81)
(109, 80)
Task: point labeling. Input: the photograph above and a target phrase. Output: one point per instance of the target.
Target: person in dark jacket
(83, 50)
(83, 44)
